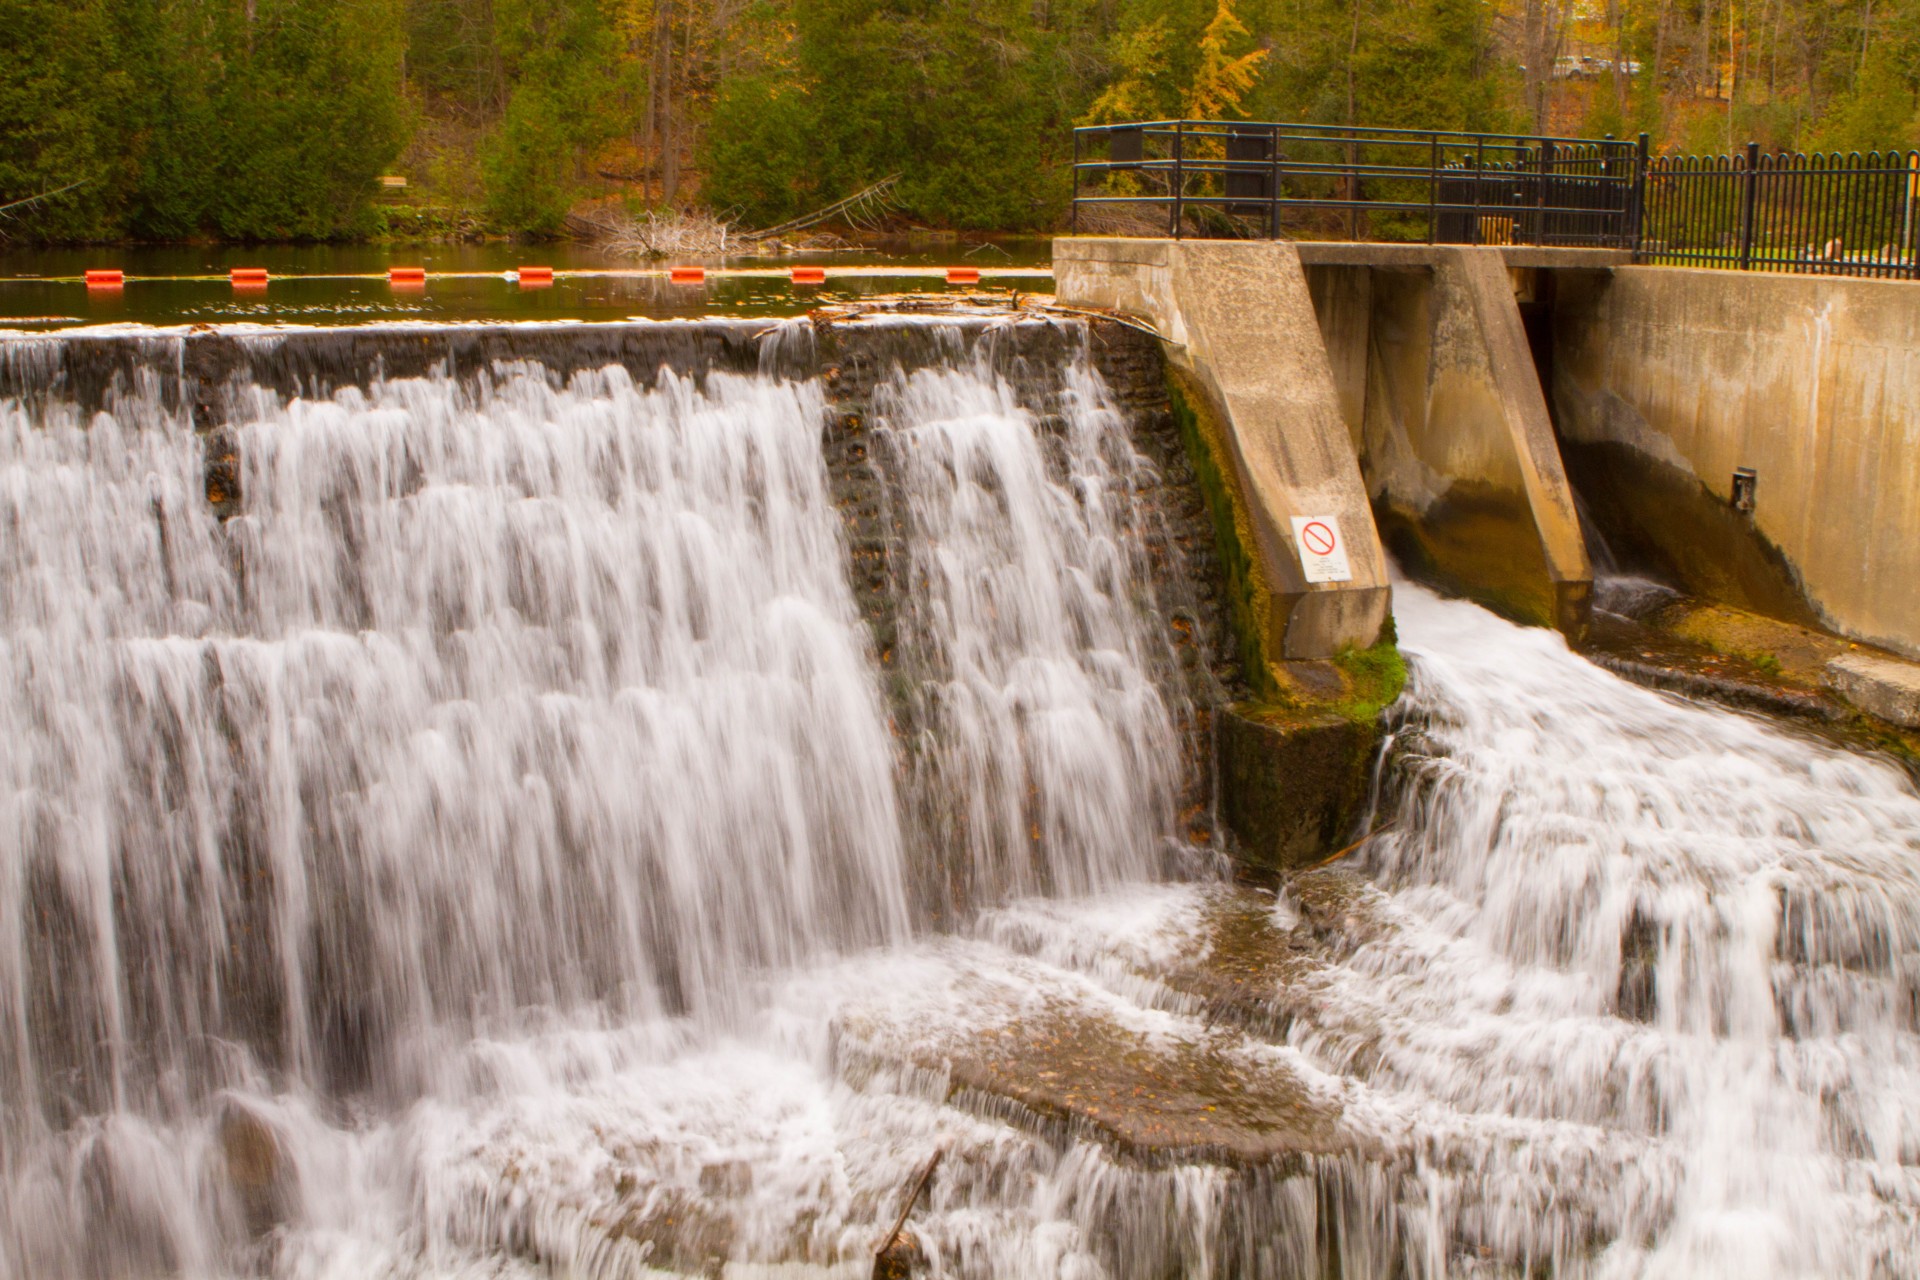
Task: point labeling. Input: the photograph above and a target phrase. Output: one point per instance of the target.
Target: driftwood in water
(864, 206)
(897, 1252)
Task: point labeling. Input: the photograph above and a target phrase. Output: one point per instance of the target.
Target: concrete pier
(1239, 325)
(1453, 431)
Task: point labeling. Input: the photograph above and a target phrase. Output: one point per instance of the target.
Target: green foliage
(557, 54)
(962, 101)
(266, 119)
(57, 115)
(759, 143)
(261, 121)
(1879, 112)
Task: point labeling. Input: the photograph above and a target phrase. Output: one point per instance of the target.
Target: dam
(621, 799)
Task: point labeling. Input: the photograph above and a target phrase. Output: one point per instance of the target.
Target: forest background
(279, 119)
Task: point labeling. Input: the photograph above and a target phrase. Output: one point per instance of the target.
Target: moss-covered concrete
(1294, 769)
(1292, 783)
(1751, 661)
(1292, 762)
(1249, 593)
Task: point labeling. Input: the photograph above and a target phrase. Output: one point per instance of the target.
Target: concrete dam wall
(1667, 381)
(1481, 390)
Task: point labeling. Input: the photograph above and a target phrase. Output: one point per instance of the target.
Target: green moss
(1375, 677)
(1247, 593)
(1766, 662)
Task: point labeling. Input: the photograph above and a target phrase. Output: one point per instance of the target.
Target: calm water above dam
(346, 284)
(510, 843)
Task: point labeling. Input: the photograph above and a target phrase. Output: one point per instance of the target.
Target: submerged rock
(259, 1174)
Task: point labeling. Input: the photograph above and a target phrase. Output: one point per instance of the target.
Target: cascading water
(1648, 973)
(501, 850)
(1046, 751)
(502, 706)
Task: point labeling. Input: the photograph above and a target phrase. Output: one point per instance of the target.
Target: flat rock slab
(1884, 687)
(1183, 1101)
(1192, 1075)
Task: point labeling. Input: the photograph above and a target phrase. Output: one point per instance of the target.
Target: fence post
(1433, 188)
(1747, 197)
(1273, 217)
(1543, 216)
(1073, 220)
(1479, 176)
(1907, 245)
(1179, 176)
(1638, 214)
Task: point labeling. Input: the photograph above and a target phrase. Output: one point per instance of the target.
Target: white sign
(1323, 552)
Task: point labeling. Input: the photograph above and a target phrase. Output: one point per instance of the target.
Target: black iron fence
(1833, 214)
(1850, 215)
(1209, 178)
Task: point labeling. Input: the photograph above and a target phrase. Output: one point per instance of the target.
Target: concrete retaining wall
(1666, 380)
(1238, 323)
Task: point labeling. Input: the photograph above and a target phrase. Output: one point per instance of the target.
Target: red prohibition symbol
(1318, 537)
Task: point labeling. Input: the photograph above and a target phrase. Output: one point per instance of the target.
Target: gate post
(1638, 214)
(1747, 198)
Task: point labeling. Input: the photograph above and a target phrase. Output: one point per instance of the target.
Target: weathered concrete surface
(1457, 444)
(1238, 320)
(1666, 380)
(1881, 686)
(1343, 304)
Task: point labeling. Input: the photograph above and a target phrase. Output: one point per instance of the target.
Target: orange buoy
(534, 277)
(247, 275)
(809, 275)
(105, 279)
(406, 275)
(687, 275)
(963, 275)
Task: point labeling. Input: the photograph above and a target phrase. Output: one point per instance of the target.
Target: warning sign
(1323, 552)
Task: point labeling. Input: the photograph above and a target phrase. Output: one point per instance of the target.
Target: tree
(1223, 78)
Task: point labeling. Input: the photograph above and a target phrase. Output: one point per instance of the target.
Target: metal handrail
(1225, 173)
(1853, 214)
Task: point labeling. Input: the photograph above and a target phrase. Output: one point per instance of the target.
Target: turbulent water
(499, 849)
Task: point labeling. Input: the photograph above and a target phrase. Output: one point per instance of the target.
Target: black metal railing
(1834, 214)
(1214, 178)
(1852, 214)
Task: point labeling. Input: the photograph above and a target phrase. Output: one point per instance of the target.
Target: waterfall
(1643, 975)
(498, 704)
(576, 817)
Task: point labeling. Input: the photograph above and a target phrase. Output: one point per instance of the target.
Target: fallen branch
(867, 203)
(1380, 830)
(5, 209)
(906, 1209)
(1061, 309)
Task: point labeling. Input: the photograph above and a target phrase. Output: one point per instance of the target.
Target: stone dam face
(617, 800)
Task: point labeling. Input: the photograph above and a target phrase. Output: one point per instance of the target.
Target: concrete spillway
(614, 802)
